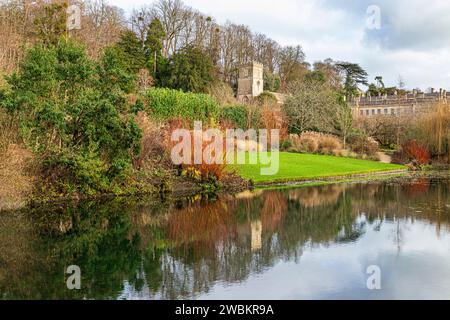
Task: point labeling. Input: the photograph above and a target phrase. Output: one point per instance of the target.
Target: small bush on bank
(329, 144)
(412, 151)
(286, 145)
(418, 152)
(164, 104)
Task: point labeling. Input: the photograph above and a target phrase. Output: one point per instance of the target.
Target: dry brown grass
(152, 143)
(15, 180)
(223, 93)
(9, 132)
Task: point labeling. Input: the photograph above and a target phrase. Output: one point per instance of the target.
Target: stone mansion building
(397, 105)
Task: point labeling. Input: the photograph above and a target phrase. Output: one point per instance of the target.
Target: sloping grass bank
(303, 167)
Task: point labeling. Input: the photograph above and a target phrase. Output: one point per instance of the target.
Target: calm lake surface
(305, 243)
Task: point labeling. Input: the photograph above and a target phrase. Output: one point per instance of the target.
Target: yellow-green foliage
(168, 104)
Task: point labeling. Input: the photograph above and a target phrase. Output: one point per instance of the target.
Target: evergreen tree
(189, 70)
(154, 46)
(353, 75)
(132, 51)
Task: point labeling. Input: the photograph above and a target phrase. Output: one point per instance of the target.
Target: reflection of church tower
(256, 227)
(250, 82)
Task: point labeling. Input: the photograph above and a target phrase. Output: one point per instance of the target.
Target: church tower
(250, 82)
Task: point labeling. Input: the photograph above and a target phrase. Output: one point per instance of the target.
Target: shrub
(314, 142)
(286, 145)
(152, 143)
(417, 152)
(208, 170)
(329, 144)
(164, 104)
(271, 117)
(363, 145)
(309, 145)
(223, 93)
(237, 115)
(267, 98)
(75, 108)
(74, 173)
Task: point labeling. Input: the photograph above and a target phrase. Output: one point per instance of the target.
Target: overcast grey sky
(413, 41)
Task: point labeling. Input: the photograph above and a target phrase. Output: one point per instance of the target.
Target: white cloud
(414, 40)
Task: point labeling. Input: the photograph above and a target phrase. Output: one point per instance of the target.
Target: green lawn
(296, 166)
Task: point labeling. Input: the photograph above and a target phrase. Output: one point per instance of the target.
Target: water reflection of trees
(181, 249)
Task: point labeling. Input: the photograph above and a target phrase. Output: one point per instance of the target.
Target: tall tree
(189, 70)
(132, 51)
(101, 26)
(51, 23)
(154, 46)
(330, 71)
(312, 106)
(292, 65)
(353, 75)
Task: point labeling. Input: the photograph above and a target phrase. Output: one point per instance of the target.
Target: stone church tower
(250, 82)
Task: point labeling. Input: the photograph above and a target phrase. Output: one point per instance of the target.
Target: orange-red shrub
(417, 152)
(207, 169)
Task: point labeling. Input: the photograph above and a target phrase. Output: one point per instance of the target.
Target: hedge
(166, 104)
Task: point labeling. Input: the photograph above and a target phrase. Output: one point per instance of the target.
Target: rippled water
(306, 243)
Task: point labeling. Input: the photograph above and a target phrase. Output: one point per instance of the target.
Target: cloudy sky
(413, 40)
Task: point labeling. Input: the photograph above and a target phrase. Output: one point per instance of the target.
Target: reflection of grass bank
(363, 178)
(304, 167)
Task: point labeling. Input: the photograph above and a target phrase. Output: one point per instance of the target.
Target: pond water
(305, 243)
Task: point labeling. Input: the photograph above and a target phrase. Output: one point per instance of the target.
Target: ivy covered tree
(272, 82)
(50, 23)
(154, 47)
(73, 112)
